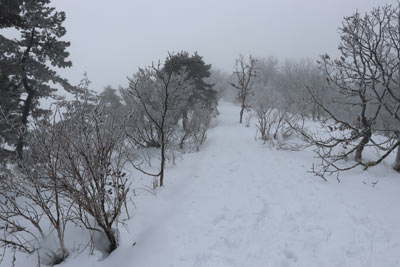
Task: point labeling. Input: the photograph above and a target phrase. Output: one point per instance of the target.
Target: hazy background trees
(245, 72)
(355, 97)
(280, 95)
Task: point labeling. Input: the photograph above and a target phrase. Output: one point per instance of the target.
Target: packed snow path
(237, 203)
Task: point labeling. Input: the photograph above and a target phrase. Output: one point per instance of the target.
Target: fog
(111, 39)
(269, 159)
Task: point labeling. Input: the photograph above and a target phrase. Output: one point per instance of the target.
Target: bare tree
(365, 80)
(380, 44)
(141, 131)
(30, 193)
(92, 172)
(245, 73)
(161, 95)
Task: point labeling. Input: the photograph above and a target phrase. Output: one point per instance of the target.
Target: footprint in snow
(289, 254)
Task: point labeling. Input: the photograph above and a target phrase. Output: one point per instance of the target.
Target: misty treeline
(276, 97)
(68, 166)
(355, 97)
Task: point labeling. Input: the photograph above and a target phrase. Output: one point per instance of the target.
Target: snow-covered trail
(237, 203)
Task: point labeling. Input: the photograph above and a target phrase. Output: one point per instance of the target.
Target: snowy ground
(237, 203)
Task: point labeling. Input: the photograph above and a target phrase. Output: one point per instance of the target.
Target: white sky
(111, 39)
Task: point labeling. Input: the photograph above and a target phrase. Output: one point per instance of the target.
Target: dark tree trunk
(163, 158)
(184, 120)
(24, 122)
(182, 142)
(29, 98)
(315, 113)
(111, 238)
(363, 143)
(396, 165)
(162, 164)
(241, 114)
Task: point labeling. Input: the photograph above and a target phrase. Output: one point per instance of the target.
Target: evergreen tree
(110, 99)
(197, 71)
(26, 75)
(10, 95)
(10, 13)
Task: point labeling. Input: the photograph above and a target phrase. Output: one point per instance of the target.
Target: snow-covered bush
(34, 211)
(92, 173)
(272, 114)
(195, 131)
(74, 171)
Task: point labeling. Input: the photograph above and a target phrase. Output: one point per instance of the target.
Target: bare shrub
(32, 205)
(198, 122)
(273, 114)
(92, 173)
